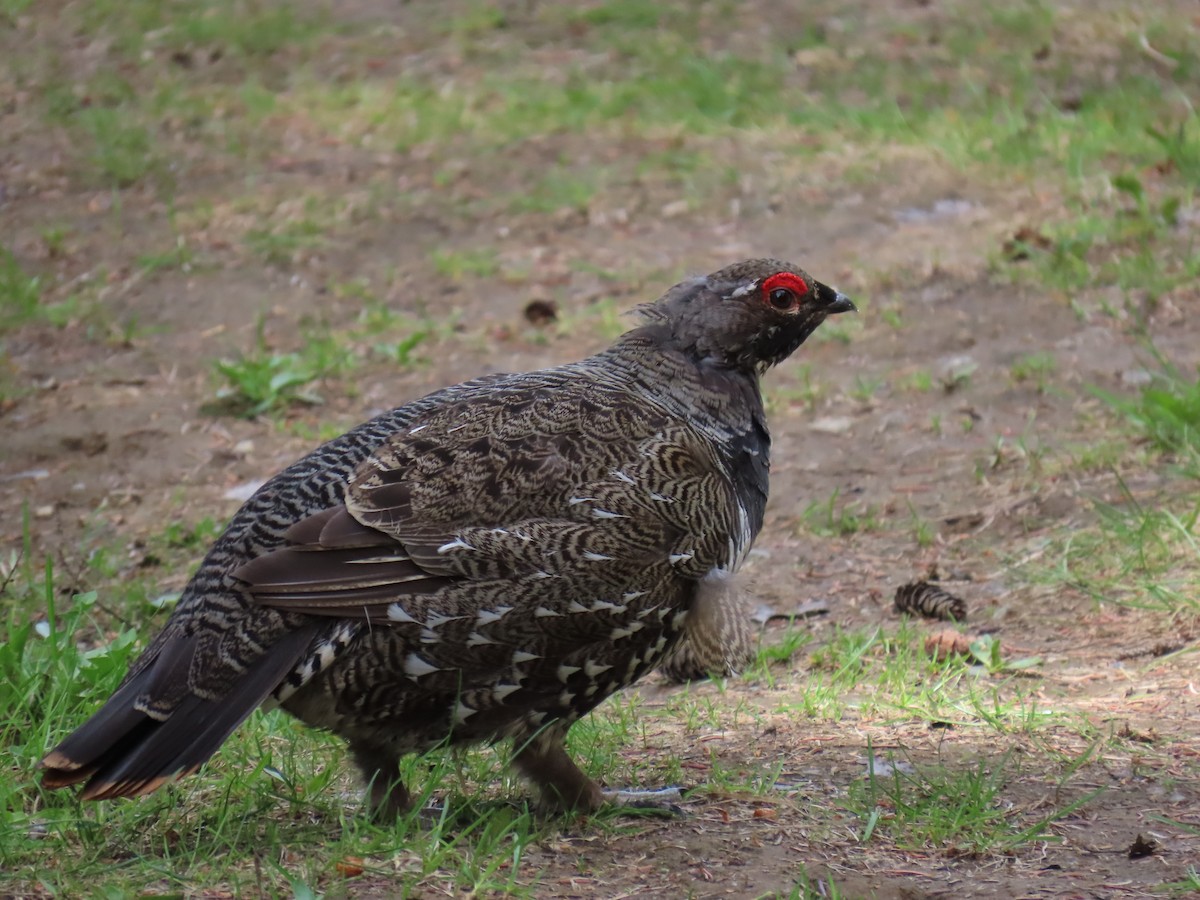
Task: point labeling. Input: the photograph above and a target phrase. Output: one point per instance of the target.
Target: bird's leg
(543, 760)
(386, 793)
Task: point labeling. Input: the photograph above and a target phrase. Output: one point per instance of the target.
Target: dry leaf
(350, 867)
(947, 643)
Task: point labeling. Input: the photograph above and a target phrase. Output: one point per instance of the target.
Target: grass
(888, 676)
(809, 888)
(379, 162)
(262, 381)
(1142, 551)
(1138, 556)
(957, 810)
(122, 148)
(178, 256)
(1035, 368)
(232, 28)
(1167, 412)
(829, 518)
(459, 264)
(653, 82)
(278, 785)
(275, 784)
(1114, 240)
(1185, 887)
(275, 779)
(20, 293)
(282, 244)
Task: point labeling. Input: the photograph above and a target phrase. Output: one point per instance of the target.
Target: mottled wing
(529, 539)
(536, 485)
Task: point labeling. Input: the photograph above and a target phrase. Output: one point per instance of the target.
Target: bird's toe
(663, 801)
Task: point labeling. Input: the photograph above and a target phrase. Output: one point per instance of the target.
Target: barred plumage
(718, 638)
(491, 561)
(930, 601)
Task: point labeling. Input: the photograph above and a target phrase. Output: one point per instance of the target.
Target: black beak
(841, 303)
(835, 301)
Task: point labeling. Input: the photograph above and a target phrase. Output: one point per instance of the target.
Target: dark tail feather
(120, 725)
(123, 752)
(111, 731)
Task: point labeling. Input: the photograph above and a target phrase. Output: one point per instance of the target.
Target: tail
(125, 750)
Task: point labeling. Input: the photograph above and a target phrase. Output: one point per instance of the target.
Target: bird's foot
(543, 760)
(437, 816)
(663, 801)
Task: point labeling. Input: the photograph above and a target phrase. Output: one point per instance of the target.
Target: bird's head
(750, 315)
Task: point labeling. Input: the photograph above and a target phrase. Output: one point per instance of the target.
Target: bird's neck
(723, 403)
(707, 391)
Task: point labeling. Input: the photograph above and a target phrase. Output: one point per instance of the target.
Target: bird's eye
(782, 299)
(783, 290)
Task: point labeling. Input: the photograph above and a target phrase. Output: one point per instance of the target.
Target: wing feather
(458, 510)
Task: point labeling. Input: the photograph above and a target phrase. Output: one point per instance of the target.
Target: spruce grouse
(491, 561)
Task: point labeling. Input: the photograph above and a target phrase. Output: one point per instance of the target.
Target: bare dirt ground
(106, 440)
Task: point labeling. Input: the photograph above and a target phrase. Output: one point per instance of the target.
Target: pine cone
(491, 561)
(930, 601)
